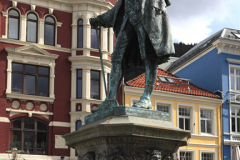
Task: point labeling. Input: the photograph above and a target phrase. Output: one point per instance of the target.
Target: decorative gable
(33, 55)
(31, 51)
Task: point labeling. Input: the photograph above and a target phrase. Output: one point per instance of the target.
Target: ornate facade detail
(87, 156)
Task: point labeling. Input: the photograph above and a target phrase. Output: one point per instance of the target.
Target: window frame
(78, 26)
(230, 115)
(76, 124)
(193, 151)
(214, 152)
(234, 67)
(99, 31)
(9, 16)
(79, 78)
(36, 26)
(170, 104)
(213, 118)
(32, 74)
(54, 32)
(134, 100)
(99, 83)
(35, 130)
(30, 57)
(192, 115)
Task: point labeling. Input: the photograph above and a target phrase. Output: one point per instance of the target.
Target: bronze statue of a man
(143, 40)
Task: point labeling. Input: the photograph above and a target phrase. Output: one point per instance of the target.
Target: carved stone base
(127, 137)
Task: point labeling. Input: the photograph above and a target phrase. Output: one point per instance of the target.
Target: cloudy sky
(194, 20)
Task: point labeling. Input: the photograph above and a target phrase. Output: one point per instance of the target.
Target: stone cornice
(89, 59)
(67, 5)
(17, 42)
(29, 97)
(227, 46)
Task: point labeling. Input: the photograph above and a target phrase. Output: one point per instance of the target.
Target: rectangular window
(30, 79)
(95, 84)
(235, 119)
(165, 108)
(184, 118)
(79, 83)
(234, 78)
(94, 40)
(186, 156)
(207, 156)
(206, 121)
(29, 135)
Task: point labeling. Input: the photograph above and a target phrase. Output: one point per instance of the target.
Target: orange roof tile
(180, 85)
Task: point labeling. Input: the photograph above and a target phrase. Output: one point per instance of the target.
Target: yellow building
(189, 107)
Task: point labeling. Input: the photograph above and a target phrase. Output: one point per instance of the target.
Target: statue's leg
(124, 37)
(150, 60)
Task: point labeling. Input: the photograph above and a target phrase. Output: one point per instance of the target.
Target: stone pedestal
(126, 133)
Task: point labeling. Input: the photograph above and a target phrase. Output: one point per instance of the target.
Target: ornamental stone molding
(126, 133)
(227, 46)
(30, 54)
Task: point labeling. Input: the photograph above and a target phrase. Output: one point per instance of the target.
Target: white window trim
(30, 55)
(134, 99)
(23, 25)
(192, 115)
(193, 151)
(236, 107)
(171, 118)
(214, 120)
(21, 18)
(229, 77)
(42, 30)
(209, 151)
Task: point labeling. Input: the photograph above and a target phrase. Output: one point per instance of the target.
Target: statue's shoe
(106, 104)
(143, 103)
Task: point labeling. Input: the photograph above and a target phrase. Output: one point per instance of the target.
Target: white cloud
(190, 19)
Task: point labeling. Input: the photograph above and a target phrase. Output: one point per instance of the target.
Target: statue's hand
(95, 22)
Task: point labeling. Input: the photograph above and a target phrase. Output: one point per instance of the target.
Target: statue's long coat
(153, 16)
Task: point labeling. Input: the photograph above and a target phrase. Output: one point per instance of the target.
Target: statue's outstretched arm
(107, 18)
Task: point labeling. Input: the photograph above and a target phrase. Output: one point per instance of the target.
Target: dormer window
(32, 23)
(13, 24)
(49, 31)
(166, 79)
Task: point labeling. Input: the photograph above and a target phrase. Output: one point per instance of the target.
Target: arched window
(80, 34)
(13, 24)
(49, 32)
(29, 134)
(78, 124)
(32, 23)
(94, 42)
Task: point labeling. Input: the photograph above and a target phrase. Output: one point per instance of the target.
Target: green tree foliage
(182, 48)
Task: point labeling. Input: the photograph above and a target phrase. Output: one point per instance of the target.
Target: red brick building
(50, 73)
